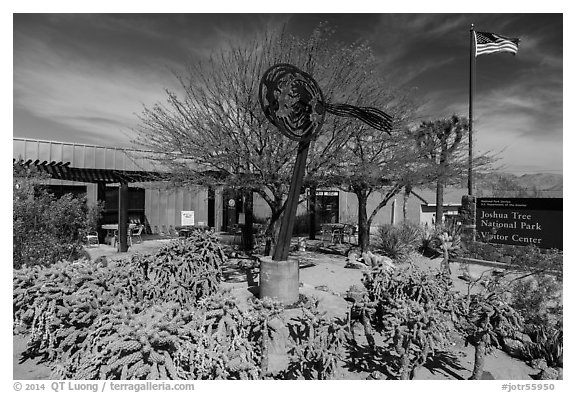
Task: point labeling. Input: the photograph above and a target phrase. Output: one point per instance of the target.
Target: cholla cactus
(315, 351)
(484, 318)
(184, 271)
(133, 321)
(377, 261)
(417, 331)
(412, 312)
(301, 244)
(448, 246)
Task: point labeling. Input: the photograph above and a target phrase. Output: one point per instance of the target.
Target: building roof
(83, 156)
(86, 163)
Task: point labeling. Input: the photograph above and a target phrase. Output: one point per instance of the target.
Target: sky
(84, 78)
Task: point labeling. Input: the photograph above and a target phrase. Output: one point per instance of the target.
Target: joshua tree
(406, 195)
(439, 141)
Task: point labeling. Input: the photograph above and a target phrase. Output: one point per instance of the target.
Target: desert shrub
(539, 260)
(388, 241)
(398, 241)
(47, 229)
(547, 343)
(524, 257)
(427, 243)
(538, 300)
(479, 250)
(410, 233)
(93, 216)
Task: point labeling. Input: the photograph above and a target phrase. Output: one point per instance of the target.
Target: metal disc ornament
(292, 101)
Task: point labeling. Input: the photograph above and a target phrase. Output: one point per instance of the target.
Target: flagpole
(471, 122)
(470, 105)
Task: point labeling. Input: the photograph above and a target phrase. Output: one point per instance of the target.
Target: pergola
(63, 171)
(91, 164)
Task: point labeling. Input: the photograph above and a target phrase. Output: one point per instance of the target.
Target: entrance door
(211, 207)
(136, 205)
(327, 207)
(230, 209)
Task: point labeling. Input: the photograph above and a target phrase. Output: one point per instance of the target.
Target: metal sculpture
(292, 100)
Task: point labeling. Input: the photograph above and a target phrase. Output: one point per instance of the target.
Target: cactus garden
(174, 314)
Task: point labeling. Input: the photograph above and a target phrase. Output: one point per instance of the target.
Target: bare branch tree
(214, 131)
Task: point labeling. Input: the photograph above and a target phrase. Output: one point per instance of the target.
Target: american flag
(487, 43)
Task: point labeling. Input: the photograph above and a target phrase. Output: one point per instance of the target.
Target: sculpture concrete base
(279, 280)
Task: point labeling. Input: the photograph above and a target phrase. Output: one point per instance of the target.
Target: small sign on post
(187, 217)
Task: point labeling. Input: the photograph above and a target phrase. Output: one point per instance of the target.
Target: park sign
(520, 221)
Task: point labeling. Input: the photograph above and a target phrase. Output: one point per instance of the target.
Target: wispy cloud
(77, 93)
(85, 77)
(499, 133)
(532, 110)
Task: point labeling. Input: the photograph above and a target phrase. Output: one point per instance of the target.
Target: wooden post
(123, 217)
(312, 213)
(101, 197)
(248, 228)
(283, 246)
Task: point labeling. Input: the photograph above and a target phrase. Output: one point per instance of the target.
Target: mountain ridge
(526, 185)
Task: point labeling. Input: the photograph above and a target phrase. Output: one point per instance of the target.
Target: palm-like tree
(439, 142)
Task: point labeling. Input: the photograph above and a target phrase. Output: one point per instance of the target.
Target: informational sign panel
(187, 217)
(520, 221)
